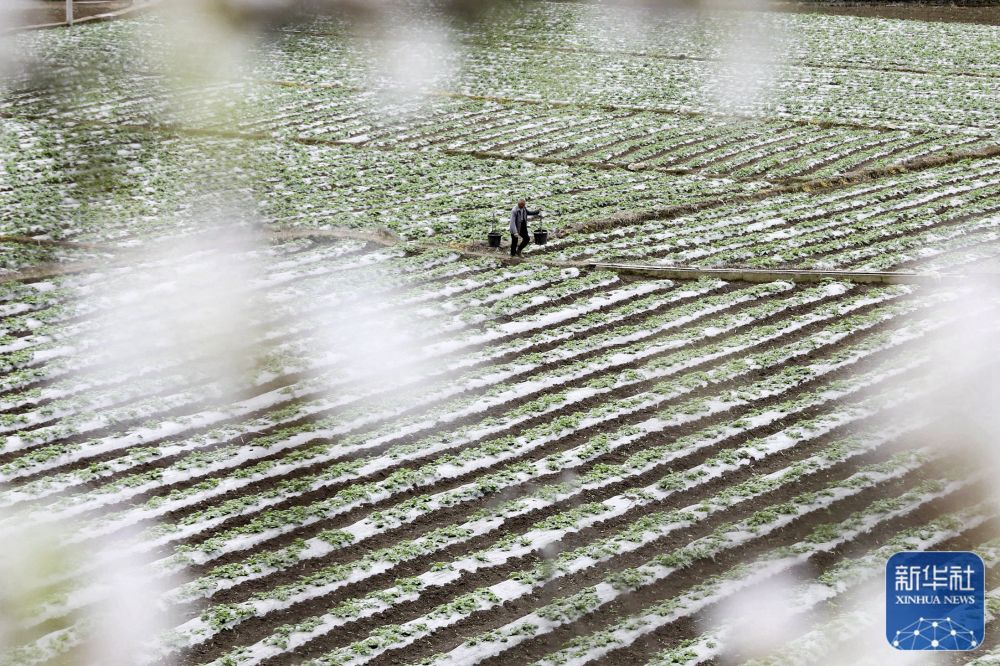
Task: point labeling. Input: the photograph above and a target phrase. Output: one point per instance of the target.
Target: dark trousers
(515, 247)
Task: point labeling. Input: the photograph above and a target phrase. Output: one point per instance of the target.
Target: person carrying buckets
(519, 238)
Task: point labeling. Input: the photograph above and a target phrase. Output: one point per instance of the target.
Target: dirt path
(986, 13)
(43, 12)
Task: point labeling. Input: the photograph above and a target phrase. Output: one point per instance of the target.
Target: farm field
(610, 131)
(252, 337)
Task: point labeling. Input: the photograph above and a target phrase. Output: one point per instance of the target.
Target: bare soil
(986, 13)
(258, 629)
(44, 12)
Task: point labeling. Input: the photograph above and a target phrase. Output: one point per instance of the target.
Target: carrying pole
(69, 12)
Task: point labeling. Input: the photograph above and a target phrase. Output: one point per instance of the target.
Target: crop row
(622, 363)
(231, 574)
(549, 531)
(46, 456)
(545, 532)
(848, 229)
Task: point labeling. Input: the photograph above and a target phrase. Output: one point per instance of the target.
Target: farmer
(519, 227)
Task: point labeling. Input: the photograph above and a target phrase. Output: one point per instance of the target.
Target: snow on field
(267, 398)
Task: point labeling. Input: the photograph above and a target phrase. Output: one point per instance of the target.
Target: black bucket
(494, 238)
(541, 236)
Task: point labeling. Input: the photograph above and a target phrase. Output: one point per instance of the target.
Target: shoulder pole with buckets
(494, 237)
